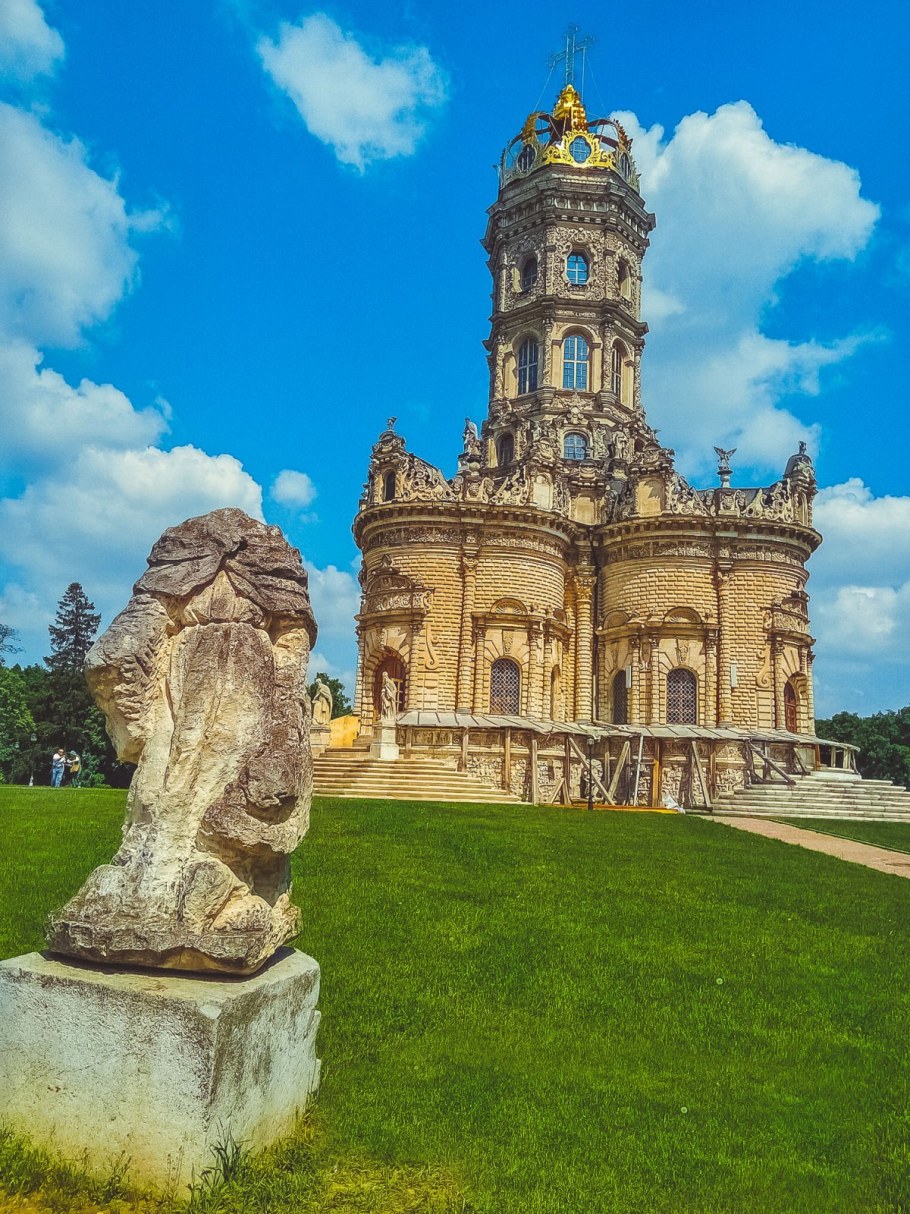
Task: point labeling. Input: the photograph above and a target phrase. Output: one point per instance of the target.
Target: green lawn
(576, 1013)
(883, 834)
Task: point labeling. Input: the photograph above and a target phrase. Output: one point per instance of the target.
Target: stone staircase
(822, 794)
(354, 773)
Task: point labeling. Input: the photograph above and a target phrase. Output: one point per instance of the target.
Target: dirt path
(844, 849)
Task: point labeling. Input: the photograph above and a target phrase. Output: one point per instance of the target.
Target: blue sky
(236, 236)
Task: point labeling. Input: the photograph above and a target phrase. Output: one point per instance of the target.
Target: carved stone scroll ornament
(202, 680)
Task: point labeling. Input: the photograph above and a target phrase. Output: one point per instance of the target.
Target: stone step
(813, 817)
(824, 796)
(342, 773)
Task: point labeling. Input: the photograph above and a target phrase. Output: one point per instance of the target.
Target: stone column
(364, 712)
(480, 639)
(724, 700)
(633, 706)
(548, 664)
(535, 699)
(651, 692)
(466, 635)
(710, 700)
(809, 658)
(777, 682)
(584, 642)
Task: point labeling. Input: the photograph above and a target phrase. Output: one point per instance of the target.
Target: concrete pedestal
(155, 1065)
(384, 744)
(320, 739)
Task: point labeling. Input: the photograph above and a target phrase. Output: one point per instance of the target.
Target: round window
(579, 150)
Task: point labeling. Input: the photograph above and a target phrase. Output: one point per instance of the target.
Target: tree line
(46, 706)
(883, 740)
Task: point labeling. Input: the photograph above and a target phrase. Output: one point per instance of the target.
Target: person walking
(58, 765)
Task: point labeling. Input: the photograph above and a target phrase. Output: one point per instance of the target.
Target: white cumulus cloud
(737, 212)
(87, 488)
(46, 420)
(96, 522)
(292, 488)
(860, 584)
(28, 45)
(335, 596)
(65, 253)
(365, 107)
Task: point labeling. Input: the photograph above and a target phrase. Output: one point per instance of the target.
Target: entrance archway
(791, 708)
(398, 673)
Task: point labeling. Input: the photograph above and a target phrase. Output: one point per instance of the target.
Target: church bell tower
(565, 238)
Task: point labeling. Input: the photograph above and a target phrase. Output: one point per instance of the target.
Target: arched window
(505, 687)
(505, 450)
(791, 707)
(620, 374)
(577, 268)
(388, 487)
(682, 697)
(575, 446)
(625, 280)
(525, 158)
(616, 359)
(527, 366)
(529, 274)
(620, 699)
(575, 362)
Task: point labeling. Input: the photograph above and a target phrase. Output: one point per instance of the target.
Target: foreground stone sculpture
(201, 679)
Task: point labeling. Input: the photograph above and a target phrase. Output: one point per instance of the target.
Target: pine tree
(71, 712)
(7, 642)
(72, 632)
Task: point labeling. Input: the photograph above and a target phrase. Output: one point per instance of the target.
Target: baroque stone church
(568, 592)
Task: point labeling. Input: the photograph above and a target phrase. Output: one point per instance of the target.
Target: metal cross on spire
(574, 47)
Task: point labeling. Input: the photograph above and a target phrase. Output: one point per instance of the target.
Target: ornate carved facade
(568, 572)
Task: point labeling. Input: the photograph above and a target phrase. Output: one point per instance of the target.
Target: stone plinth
(320, 739)
(385, 744)
(159, 1067)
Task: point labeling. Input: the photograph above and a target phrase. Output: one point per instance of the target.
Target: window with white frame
(577, 269)
(575, 446)
(527, 366)
(575, 354)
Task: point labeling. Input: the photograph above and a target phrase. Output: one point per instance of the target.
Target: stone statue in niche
(388, 700)
(202, 680)
(323, 702)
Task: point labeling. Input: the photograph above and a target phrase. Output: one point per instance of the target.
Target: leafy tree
(17, 724)
(883, 740)
(341, 705)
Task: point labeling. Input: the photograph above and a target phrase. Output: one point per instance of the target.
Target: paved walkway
(832, 845)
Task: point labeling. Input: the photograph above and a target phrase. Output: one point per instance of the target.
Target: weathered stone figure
(323, 703)
(201, 679)
(388, 700)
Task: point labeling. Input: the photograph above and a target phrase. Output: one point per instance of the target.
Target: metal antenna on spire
(574, 47)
